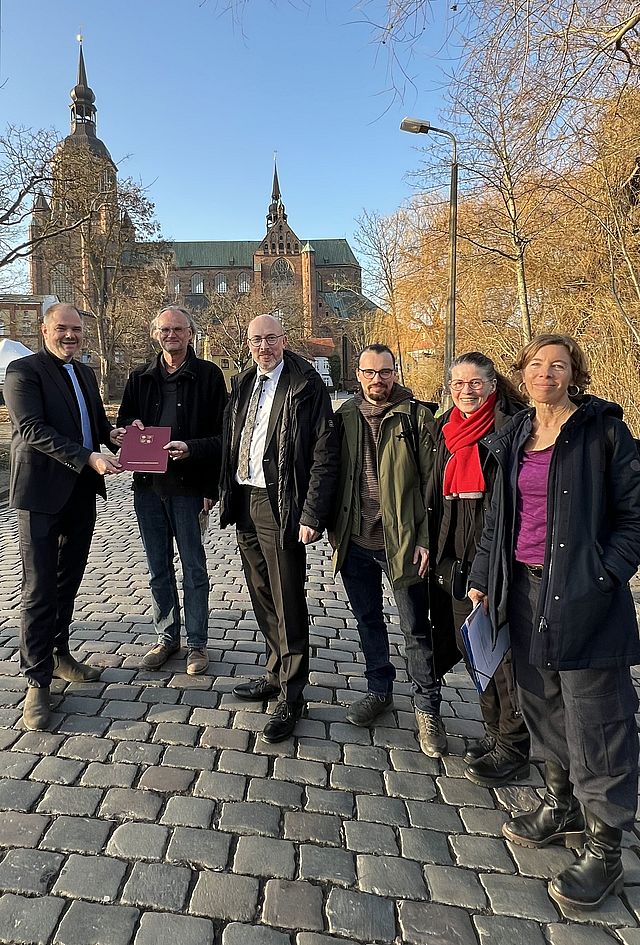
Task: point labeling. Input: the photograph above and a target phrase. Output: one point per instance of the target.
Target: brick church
(323, 275)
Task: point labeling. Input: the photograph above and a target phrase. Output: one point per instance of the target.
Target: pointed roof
(275, 193)
(40, 203)
(83, 115)
(277, 213)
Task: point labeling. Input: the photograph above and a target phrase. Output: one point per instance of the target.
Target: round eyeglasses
(476, 383)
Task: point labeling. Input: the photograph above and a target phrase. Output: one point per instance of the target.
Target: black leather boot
(596, 874)
(557, 820)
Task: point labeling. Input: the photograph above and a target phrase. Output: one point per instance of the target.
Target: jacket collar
(188, 368)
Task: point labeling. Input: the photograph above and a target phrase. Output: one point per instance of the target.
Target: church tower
(279, 264)
(84, 184)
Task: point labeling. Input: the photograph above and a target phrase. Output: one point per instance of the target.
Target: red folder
(142, 450)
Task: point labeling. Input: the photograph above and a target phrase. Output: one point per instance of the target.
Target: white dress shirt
(259, 438)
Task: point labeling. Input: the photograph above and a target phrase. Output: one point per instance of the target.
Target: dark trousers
(499, 702)
(582, 719)
(275, 578)
(362, 577)
(54, 551)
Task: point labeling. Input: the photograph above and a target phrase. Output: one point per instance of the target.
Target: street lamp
(418, 126)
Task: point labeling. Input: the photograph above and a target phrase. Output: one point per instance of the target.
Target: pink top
(531, 507)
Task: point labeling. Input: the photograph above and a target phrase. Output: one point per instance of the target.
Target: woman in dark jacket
(561, 541)
(460, 491)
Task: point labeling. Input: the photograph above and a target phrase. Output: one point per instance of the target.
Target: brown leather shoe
(197, 661)
(159, 654)
(36, 709)
(66, 667)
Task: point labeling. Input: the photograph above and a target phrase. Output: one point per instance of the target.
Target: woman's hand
(477, 597)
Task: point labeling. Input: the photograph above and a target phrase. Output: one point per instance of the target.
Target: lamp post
(418, 126)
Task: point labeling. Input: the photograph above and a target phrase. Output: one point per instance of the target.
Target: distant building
(323, 274)
(20, 317)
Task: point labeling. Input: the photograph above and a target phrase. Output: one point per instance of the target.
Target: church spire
(276, 212)
(83, 110)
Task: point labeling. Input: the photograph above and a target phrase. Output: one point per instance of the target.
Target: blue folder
(484, 656)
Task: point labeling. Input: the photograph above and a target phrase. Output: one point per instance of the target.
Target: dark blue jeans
(161, 520)
(362, 577)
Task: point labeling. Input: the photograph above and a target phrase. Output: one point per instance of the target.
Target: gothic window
(244, 282)
(197, 284)
(61, 282)
(5, 322)
(174, 286)
(281, 272)
(105, 181)
(221, 282)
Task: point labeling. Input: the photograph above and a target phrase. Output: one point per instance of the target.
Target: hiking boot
(66, 667)
(431, 734)
(497, 768)
(365, 711)
(159, 654)
(36, 709)
(558, 819)
(197, 660)
(597, 873)
(479, 748)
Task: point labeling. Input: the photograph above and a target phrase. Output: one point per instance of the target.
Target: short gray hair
(172, 308)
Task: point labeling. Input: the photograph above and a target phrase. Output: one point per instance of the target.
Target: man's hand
(104, 465)
(116, 436)
(421, 558)
(137, 423)
(477, 597)
(207, 504)
(177, 449)
(306, 534)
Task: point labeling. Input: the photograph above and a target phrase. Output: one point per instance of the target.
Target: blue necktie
(85, 422)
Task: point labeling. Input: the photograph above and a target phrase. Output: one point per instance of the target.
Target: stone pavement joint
(153, 813)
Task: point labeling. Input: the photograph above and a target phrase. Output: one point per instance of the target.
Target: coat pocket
(607, 734)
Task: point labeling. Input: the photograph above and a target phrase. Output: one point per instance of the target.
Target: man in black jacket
(57, 468)
(280, 455)
(181, 391)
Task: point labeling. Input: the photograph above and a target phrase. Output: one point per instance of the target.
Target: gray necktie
(249, 426)
(85, 422)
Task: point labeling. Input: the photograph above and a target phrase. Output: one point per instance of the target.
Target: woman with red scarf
(460, 493)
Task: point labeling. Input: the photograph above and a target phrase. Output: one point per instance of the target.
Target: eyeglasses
(384, 373)
(167, 331)
(475, 384)
(257, 340)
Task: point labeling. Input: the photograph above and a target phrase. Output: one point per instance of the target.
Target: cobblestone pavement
(154, 814)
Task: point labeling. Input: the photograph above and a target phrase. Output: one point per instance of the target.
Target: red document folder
(142, 450)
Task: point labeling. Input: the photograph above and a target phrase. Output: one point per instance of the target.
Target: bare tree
(26, 178)
(228, 314)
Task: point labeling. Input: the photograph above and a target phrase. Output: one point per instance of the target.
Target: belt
(535, 570)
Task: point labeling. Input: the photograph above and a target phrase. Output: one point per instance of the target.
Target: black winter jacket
(464, 516)
(202, 396)
(301, 452)
(585, 615)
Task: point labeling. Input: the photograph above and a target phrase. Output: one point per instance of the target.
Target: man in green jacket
(381, 527)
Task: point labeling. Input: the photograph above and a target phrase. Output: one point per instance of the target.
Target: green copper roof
(239, 253)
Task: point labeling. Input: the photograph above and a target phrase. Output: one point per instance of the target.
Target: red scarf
(463, 473)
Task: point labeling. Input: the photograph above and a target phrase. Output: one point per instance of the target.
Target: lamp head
(417, 126)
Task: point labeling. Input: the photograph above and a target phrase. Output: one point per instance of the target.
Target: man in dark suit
(280, 455)
(57, 468)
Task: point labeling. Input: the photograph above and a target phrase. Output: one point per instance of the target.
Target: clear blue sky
(197, 105)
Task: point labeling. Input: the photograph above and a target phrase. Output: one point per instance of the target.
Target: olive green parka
(402, 484)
